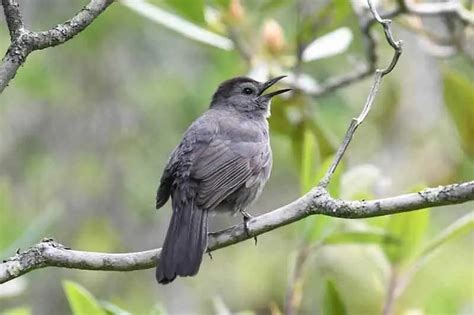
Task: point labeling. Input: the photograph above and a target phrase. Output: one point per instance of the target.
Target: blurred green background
(86, 129)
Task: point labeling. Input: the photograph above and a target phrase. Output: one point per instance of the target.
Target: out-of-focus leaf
(310, 160)
(332, 302)
(80, 300)
(361, 182)
(220, 3)
(112, 309)
(97, 234)
(178, 24)
(328, 45)
(359, 272)
(460, 227)
(459, 99)
(319, 18)
(193, 10)
(36, 228)
(158, 310)
(466, 170)
(409, 229)
(9, 224)
(326, 147)
(22, 310)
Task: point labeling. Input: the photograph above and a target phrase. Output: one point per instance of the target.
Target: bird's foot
(247, 217)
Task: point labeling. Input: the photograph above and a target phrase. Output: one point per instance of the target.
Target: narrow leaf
(193, 10)
(332, 302)
(410, 229)
(80, 300)
(178, 24)
(459, 99)
(328, 45)
(460, 227)
(112, 309)
(309, 160)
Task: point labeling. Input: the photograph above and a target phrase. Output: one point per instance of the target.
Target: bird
(220, 166)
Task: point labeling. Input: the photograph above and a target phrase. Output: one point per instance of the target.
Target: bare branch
(317, 201)
(23, 42)
(13, 18)
(379, 73)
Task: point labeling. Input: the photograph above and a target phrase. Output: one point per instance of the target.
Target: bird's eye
(248, 91)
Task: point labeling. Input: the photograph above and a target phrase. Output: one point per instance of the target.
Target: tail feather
(185, 242)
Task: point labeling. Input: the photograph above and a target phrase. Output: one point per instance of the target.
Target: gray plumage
(221, 164)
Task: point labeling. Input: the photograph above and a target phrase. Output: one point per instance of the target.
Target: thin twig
(391, 293)
(296, 281)
(379, 73)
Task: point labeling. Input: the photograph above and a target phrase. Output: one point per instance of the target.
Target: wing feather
(224, 167)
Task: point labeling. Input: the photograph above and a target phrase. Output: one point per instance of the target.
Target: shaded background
(86, 129)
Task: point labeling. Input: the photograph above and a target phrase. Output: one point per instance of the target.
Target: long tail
(185, 242)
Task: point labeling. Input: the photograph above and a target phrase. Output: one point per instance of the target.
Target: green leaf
(178, 24)
(409, 229)
(460, 227)
(157, 310)
(22, 310)
(81, 301)
(332, 302)
(309, 160)
(359, 272)
(113, 309)
(192, 10)
(459, 99)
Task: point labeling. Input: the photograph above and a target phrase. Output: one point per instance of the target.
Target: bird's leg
(247, 216)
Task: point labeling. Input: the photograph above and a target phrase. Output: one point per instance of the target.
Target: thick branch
(51, 254)
(23, 42)
(13, 18)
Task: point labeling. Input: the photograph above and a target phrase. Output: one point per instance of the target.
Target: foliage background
(86, 128)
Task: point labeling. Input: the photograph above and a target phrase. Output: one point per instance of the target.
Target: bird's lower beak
(268, 84)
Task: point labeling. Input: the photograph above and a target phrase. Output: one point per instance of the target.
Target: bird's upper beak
(268, 84)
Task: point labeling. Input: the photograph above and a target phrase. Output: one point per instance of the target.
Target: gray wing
(195, 140)
(225, 166)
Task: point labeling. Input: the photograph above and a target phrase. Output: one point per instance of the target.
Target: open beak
(268, 84)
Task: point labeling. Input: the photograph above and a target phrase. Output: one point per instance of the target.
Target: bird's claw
(247, 217)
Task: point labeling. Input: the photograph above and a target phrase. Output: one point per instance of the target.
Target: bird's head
(246, 95)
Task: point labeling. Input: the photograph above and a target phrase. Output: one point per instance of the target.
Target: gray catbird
(221, 165)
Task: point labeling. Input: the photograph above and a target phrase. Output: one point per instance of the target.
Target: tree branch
(318, 201)
(379, 73)
(13, 18)
(23, 41)
(452, 7)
